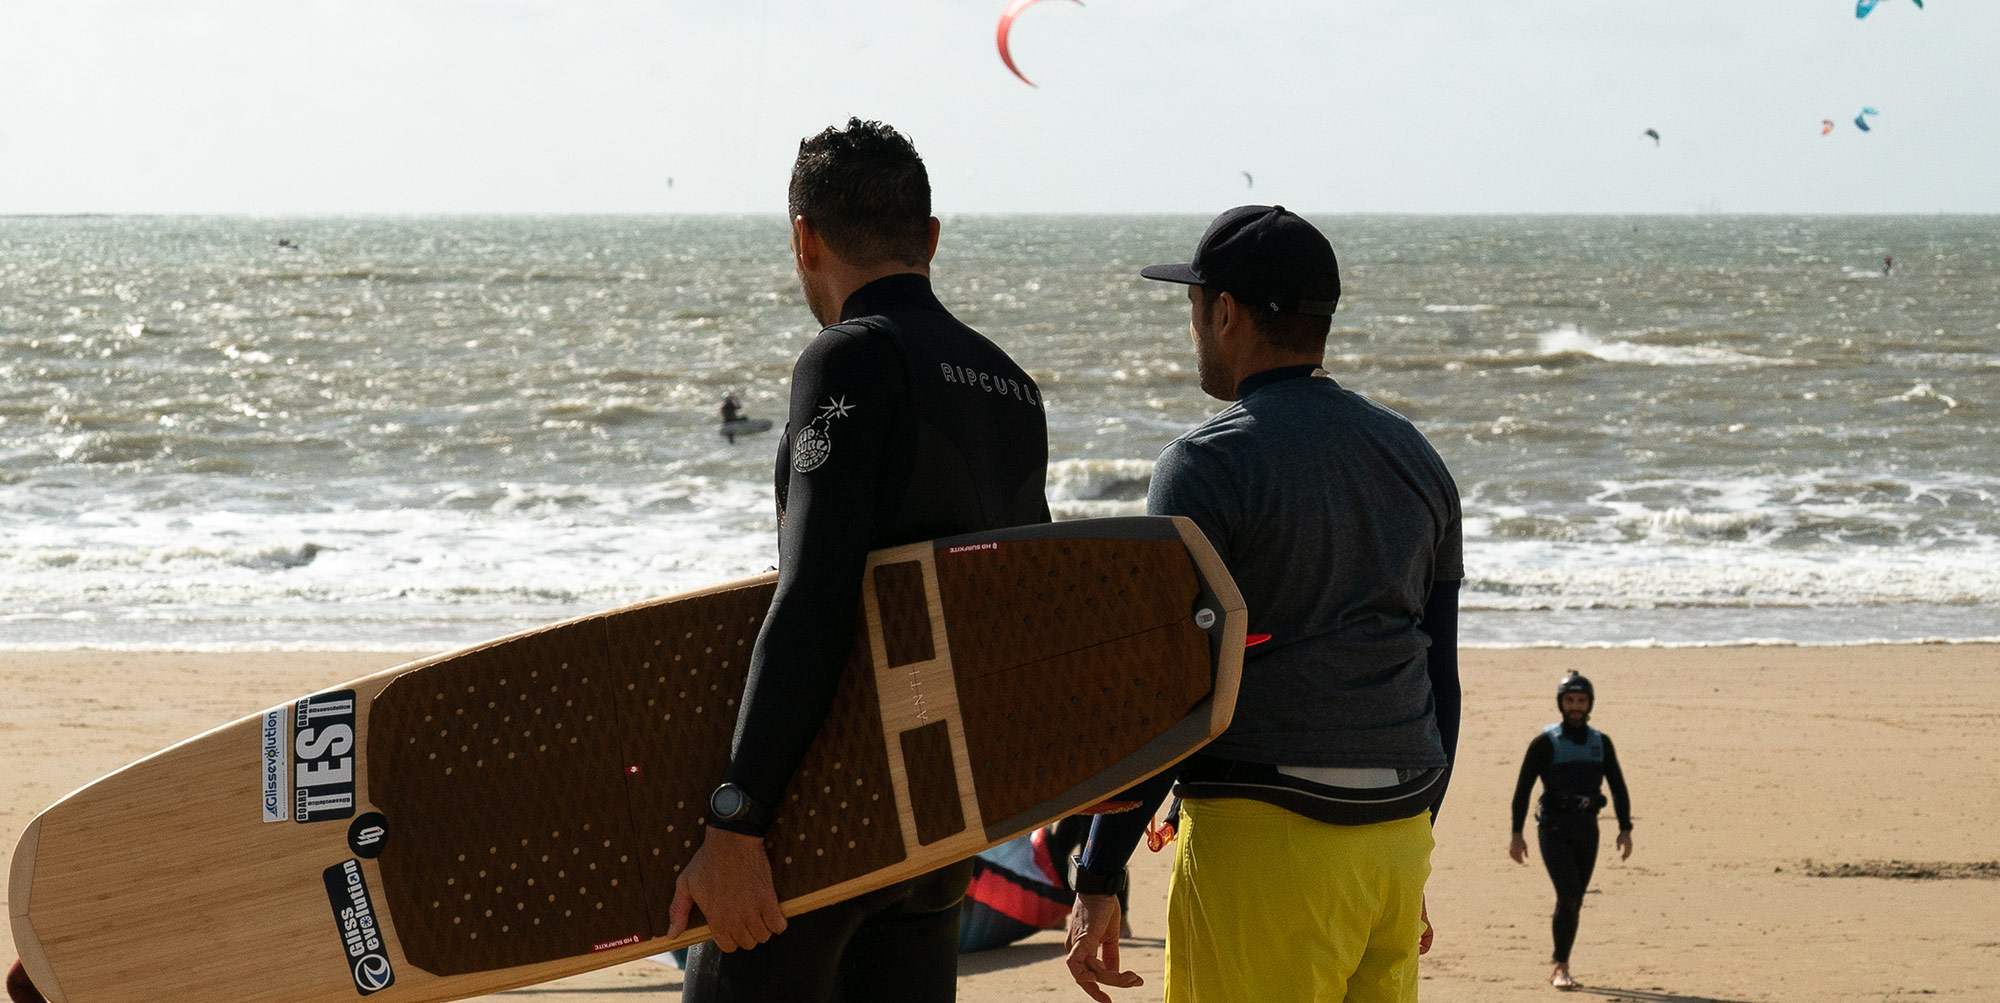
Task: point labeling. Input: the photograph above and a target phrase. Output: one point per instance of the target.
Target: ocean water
(414, 433)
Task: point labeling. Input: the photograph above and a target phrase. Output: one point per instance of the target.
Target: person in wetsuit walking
(1573, 761)
(905, 425)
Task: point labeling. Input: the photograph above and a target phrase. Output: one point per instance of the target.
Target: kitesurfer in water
(1573, 761)
(905, 425)
(729, 408)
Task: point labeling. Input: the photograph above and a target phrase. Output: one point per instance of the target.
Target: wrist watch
(1088, 882)
(732, 806)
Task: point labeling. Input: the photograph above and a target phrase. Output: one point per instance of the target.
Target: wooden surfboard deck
(517, 811)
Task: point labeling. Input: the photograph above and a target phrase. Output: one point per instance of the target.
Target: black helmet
(1575, 683)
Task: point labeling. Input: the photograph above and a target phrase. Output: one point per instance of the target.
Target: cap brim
(1183, 274)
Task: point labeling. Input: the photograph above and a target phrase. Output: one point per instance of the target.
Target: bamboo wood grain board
(516, 812)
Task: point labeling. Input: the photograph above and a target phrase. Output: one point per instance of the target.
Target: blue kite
(1861, 121)
(1862, 7)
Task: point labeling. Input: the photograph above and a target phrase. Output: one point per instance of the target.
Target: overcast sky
(449, 106)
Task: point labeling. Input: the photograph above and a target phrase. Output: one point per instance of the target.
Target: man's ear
(930, 248)
(806, 244)
(1228, 311)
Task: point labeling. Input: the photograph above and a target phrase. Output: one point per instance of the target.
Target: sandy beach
(1754, 771)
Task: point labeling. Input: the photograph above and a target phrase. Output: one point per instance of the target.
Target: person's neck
(1265, 359)
(844, 280)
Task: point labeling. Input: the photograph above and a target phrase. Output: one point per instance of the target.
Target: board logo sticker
(360, 936)
(271, 763)
(323, 757)
(367, 835)
(970, 547)
(630, 938)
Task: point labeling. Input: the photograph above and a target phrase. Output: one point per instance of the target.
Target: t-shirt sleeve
(846, 391)
(1189, 480)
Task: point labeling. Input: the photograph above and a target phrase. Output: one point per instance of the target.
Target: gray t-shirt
(1336, 517)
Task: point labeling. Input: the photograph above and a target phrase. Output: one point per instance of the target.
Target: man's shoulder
(854, 338)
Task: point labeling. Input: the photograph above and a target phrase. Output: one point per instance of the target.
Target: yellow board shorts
(1271, 907)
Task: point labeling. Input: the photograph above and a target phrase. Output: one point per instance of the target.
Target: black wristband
(1088, 882)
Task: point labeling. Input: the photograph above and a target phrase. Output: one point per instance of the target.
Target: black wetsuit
(905, 425)
(1573, 764)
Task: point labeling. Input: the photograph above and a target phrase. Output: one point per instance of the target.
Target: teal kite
(1862, 7)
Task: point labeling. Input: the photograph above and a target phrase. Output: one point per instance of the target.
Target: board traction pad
(542, 793)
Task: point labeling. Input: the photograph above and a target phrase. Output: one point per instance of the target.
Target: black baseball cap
(1263, 254)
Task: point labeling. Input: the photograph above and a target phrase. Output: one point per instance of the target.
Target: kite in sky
(1826, 127)
(1862, 7)
(1014, 9)
(1861, 121)
(1248, 181)
(1655, 133)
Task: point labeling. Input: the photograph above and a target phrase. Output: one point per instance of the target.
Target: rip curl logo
(814, 445)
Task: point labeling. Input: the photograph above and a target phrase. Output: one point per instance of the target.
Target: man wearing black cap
(1305, 828)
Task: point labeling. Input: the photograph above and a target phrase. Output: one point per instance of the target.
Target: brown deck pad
(544, 793)
(1027, 600)
(1037, 730)
(933, 781)
(509, 837)
(541, 807)
(906, 615)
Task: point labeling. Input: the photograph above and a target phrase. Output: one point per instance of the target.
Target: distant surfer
(285, 243)
(1573, 761)
(1888, 264)
(893, 378)
(729, 408)
(1305, 829)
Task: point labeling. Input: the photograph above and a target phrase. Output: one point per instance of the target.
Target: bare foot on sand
(1559, 977)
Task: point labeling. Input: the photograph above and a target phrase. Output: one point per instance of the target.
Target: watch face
(726, 802)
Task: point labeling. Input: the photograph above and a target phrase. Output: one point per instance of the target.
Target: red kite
(1014, 9)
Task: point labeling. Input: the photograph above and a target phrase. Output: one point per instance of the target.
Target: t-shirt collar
(1258, 381)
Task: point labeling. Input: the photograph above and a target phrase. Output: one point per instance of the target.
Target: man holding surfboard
(1305, 832)
(905, 425)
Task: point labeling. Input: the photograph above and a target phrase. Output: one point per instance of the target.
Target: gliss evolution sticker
(323, 757)
(271, 766)
(360, 935)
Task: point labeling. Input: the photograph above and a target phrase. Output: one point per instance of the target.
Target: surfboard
(744, 426)
(517, 811)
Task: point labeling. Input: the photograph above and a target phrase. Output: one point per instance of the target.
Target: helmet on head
(1575, 683)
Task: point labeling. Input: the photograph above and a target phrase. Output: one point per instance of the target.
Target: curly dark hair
(866, 191)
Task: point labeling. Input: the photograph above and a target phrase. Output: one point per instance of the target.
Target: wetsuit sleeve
(1621, 800)
(1441, 623)
(1541, 752)
(1113, 837)
(846, 392)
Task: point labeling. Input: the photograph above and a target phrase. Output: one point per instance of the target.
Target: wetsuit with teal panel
(1574, 763)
